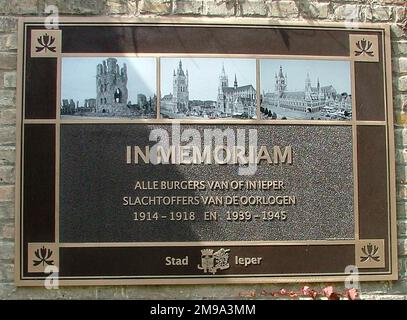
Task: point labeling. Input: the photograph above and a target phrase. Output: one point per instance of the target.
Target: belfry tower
(180, 89)
(281, 83)
(308, 87)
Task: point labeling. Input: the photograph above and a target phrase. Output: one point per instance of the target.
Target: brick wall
(377, 11)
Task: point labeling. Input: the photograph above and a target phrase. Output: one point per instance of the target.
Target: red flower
(305, 290)
(328, 291)
(352, 294)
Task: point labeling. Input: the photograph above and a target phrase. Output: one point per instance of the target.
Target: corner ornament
(45, 43)
(41, 255)
(364, 48)
(370, 253)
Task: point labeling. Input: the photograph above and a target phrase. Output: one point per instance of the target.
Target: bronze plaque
(204, 151)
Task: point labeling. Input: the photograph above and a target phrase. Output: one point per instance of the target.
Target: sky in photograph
(79, 77)
(204, 75)
(335, 73)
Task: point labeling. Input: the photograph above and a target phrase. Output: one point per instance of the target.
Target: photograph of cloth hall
(305, 89)
(108, 87)
(208, 88)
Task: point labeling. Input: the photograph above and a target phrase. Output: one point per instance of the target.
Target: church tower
(281, 83)
(308, 84)
(223, 80)
(111, 87)
(308, 87)
(321, 95)
(223, 84)
(235, 83)
(180, 89)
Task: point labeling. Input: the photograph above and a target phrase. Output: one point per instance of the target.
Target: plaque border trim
(213, 22)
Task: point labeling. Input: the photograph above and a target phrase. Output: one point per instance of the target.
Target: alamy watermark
(51, 282)
(52, 20)
(352, 280)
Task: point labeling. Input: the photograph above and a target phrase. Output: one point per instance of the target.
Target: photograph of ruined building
(305, 90)
(108, 88)
(202, 88)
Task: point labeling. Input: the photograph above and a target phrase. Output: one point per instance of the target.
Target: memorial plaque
(204, 151)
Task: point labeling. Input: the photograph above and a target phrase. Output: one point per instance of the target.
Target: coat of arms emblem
(213, 261)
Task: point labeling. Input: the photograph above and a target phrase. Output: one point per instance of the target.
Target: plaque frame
(390, 248)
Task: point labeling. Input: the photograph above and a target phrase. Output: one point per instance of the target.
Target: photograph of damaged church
(108, 87)
(305, 89)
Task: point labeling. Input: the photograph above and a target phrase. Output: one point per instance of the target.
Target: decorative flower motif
(364, 48)
(43, 255)
(46, 41)
(370, 252)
